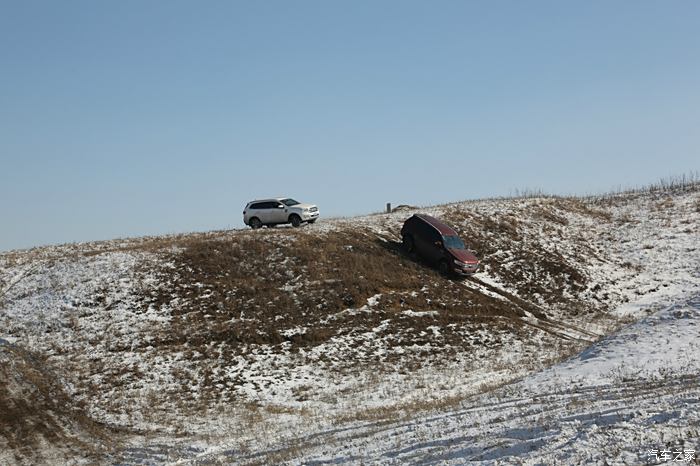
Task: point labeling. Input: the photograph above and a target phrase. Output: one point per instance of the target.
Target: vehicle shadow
(392, 246)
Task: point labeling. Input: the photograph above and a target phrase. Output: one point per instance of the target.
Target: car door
(435, 246)
(254, 210)
(421, 238)
(265, 212)
(278, 212)
(428, 247)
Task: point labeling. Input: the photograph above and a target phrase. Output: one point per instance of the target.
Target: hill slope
(625, 400)
(245, 341)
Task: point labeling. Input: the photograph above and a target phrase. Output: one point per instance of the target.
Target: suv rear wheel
(255, 223)
(295, 220)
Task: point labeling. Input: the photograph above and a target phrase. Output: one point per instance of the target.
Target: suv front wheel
(295, 220)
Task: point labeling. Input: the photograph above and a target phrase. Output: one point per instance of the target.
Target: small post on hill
(388, 207)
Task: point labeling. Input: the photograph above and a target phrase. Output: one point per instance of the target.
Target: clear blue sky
(127, 118)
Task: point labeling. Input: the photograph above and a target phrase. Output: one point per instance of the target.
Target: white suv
(279, 210)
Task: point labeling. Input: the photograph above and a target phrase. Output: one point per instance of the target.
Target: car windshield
(290, 202)
(453, 242)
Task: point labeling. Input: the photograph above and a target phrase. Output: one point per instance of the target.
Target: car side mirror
(280, 206)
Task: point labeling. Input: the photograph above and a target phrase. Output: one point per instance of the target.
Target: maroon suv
(438, 243)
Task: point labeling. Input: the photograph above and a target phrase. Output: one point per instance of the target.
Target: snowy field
(575, 344)
(624, 400)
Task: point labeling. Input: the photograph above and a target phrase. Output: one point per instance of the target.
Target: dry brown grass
(548, 213)
(625, 218)
(533, 270)
(38, 417)
(249, 289)
(230, 293)
(584, 208)
(664, 204)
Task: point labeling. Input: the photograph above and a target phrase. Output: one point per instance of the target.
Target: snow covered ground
(194, 367)
(624, 400)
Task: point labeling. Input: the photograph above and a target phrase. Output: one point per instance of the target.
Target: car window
(257, 205)
(453, 242)
(430, 233)
(290, 202)
(434, 234)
